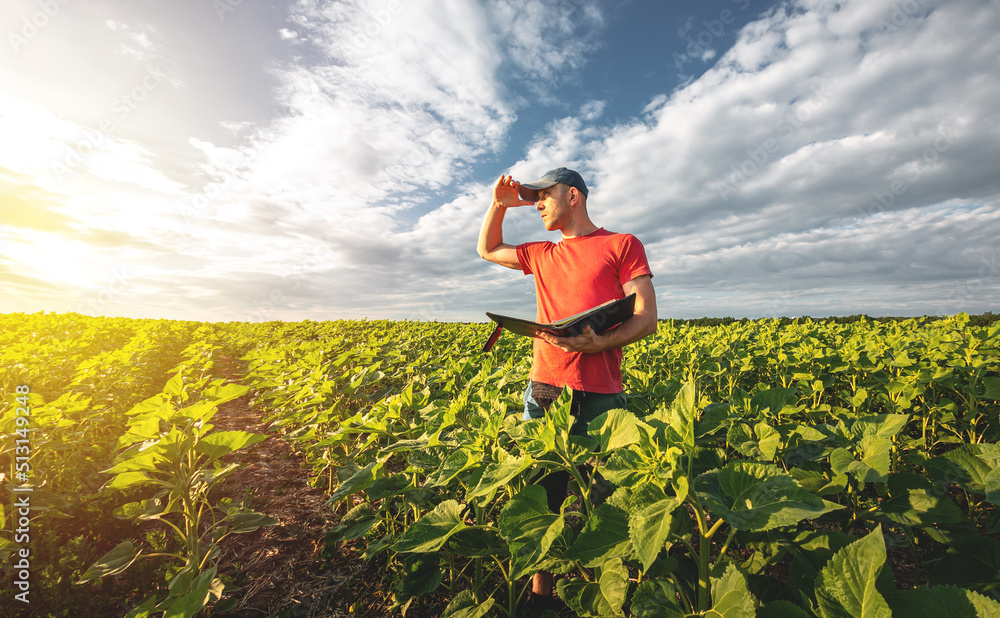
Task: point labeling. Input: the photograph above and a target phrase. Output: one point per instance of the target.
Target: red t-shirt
(572, 276)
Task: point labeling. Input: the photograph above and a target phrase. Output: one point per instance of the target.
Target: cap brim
(530, 195)
(529, 191)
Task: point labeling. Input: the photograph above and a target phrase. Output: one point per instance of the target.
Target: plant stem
(704, 585)
(916, 555)
(451, 573)
(725, 546)
(511, 596)
(704, 542)
(715, 528)
(478, 582)
(160, 555)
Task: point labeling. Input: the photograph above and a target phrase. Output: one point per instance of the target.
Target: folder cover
(600, 318)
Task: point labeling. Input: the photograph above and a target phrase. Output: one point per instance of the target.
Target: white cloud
(592, 110)
(546, 42)
(836, 156)
(399, 100)
(828, 160)
(813, 121)
(397, 105)
(135, 41)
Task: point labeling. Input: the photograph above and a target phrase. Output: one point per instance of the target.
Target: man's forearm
(491, 234)
(491, 245)
(637, 327)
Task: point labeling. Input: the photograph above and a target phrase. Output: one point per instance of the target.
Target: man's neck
(580, 230)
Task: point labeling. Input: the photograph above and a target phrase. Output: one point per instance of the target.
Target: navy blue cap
(560, 175)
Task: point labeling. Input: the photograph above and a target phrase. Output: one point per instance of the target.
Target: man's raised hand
(505, 193)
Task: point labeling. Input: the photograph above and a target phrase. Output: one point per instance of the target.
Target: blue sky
(230, 160)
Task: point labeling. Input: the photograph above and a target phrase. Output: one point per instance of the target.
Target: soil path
(280, 569)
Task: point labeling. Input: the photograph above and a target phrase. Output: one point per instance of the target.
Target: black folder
(600, 318)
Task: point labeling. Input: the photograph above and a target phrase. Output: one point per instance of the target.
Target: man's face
(553, 205)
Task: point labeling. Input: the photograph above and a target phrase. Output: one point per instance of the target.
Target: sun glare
(56, 259)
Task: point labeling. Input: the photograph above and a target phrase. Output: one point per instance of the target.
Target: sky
(237, 160)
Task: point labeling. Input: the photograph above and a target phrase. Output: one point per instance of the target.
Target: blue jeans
(586, 407)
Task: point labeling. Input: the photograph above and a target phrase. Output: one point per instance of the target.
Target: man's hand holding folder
(577, 333)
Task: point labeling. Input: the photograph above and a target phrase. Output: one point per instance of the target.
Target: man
(587, 267)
